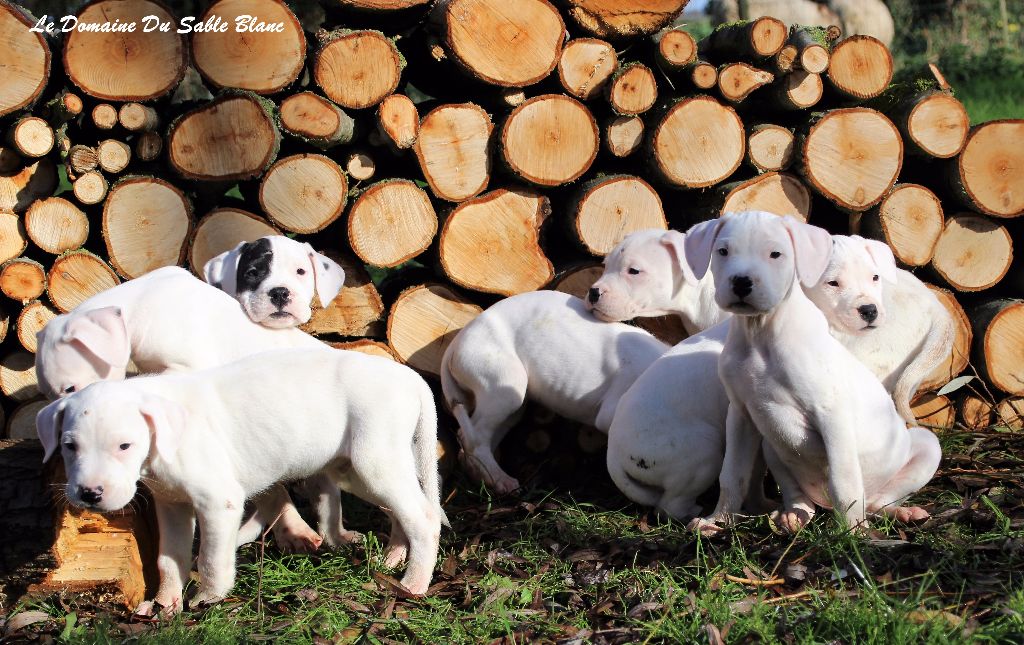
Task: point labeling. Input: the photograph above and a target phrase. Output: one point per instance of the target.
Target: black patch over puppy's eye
(723, 252)
(633, 271)
(833, 283)
(775, 254)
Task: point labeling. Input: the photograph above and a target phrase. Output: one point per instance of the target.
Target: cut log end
(633, 90)
(356, 311)
(976, 413)
(423, 321)
(698, 143)
(76, 276)
(223, 229)
(860, 67)
(676, 49)
(773, 192)
(909, 219)
(973, 253)
(56, 225)
(136, 117)
(399, 120)
(20, 188)
(624, 18)
(990, 169)
(797, 90)
(357, 69)
(18, 376)
(608, 209)
(391, 222)
(703, 75)
(32, 319)
(22, 279)
(304, 193)
(104, 116)
(960, 352)
(316, 120)
(146, 225)
(770, 147)
(623, 135)
(26, 60)
(82, 159)
(999, 344)
(13, 239)
(148, 146)
(550, 140)
(453, 150)
(90, 188)
(934, 411)
(32, 137)
(360, 166)
(585, 65)
(113, 156)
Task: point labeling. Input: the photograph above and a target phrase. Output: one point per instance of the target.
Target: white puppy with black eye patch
(886, 316)
(831, 434)
(275, 279)
(206, 441)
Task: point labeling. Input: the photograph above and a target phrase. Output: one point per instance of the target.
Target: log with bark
(960, 352)
(148, 146)
(104, 116)
(698, 142)
(770, 147)
(618, 19)
(797, 90)
(18, 376)
(13, 239)
(315, 120)
(973, 253)
(998, 348)
(31, 137)
(774, 192)
(986, 176)
(910, 220)
(26, 59)
(357, 310)
(221, 230)
(1010, 413)
(736, 81)
(746, 40)
(623, 135)
(136, 117)
(454, 152)
(22, 279)
(147, 223)
(934, 411)
(399, 121)
(976, 413)
(933, 123)
(860, 67)
(550, 140)
(303, 193)
(22, 186)
(113, 155)
(423, 321)
(392, 221)
(56, 225)
(813, 45)
(81, 159)
(608, 208)
(676, 48)
(357, 69)
(90, 188)
(585, 65)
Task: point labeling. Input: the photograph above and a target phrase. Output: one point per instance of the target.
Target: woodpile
(482, 154)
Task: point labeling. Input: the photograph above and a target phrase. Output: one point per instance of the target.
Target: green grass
(989, 98)
(549, 566)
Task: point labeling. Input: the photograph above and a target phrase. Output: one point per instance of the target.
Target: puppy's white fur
(206, 441)
(544, 346)
(831, 434)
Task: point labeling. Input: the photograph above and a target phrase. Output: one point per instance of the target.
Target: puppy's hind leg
(480, 433)
(291, 532)
(324, 490)
(925, 454)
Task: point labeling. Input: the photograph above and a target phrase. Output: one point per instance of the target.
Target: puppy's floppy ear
(48, 424)
(812, 247)
(103, 333)
(167, 421)
(675, 242)
(222, 270)
(882, 255)
(699, 242)
(328, 276)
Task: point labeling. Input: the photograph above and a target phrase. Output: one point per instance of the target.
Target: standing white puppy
(206, 441)
(831, 433)
(545, 346)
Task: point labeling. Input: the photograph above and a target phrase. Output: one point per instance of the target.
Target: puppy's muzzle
(594, 295)
(868, 312)
(279, 296)
(90, 496)
(742, 286)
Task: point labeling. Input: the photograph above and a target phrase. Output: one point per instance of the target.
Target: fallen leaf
(585, 554)
(714, 635)
(309, 595)
(644, 608)
(927, 615)
(24, 619)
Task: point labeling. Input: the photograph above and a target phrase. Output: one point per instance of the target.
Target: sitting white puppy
(862, 290)
(545, 346)
(206, 441)
(275, 279)
(831, 434)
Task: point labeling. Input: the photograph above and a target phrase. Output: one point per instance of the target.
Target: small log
(577, 280)
(770, 147)
(32, 319)
(550, 140)
(136, 117)
(31, 136)
(998, 347)
(82, 159)
(623, 135)
(315, 120)
(909, 219)
(491, 243)
(746, 40)
(960, 352)
(113, 155)
(501, 47)
(360, 166)
(64, 107)
(104, 116)
(146, 225)
(453, 150)
(5, 324)
(356, 311)
(18, 376)
(585, 66)
(357, 69)
(391, 222)
(701, 74)
(423, 321)
(934, 411)
(304, 193)
(812, 46)
(513, 97)
(125, 66)
(148, 146)
(852, 157)
(676, 49)
(784, 60)
(697, 143)
(398, 119)
(933, 124)
(624, 18)
(77, 276)
(264, 62)
(1010, 413)
(20, 188)
(860, 67)
(774, 192)
(231, 137)
(13, 239)
(797, 90)
(26, 59)
(383, 5)
(22, 279)
(607, 209)
(987, 175)
(56, 225)
(367, 346)
(22, 424)
(976, 413)
(973, 253)
(222, 229)
(632, 90)
(10, 160)
(90, 188)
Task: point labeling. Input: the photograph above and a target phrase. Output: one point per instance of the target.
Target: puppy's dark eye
(301, 272)
(125, 446)
(252, 272)
(71, 446)
(633, 271)
(875, 278)
(833, 283)
(775, 254)
(69, 389)
(723, 252)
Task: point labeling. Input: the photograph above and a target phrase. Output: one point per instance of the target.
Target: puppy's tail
(454, 395)
(936, 347)
(425, 450)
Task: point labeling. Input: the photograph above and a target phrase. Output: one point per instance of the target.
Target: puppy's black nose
(279, 296)
(742, 285)
(868, 313)
(90, 495)
(594, 295)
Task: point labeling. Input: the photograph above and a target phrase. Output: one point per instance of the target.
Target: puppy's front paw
(706, 526)
(791, 520)
(204, 598)
(155, 607)
(908, 514)
(338, 539)
(305, 540)
(394, 556)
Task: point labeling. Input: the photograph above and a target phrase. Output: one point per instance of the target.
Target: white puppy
(206, 441)
(545, 346)
(275, 279)
(886, 316)
(831, 433)
(647, 275)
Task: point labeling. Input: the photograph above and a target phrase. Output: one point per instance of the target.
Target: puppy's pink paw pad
(907, 514)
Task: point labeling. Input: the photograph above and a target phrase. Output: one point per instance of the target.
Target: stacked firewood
(465, 152)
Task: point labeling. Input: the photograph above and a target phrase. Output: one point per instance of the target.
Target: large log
(934, 411)
(737, 80)
(550, 140)
(697, 143)
(774, 192)
(998, 348)
(933, 123)
(22, 279)
(454, 152)
(18, 376)
(357, 69)
(264, 62)
(32, 319)
(113, 155)
(960, 351)
(585, 66)
(90, 188)
(852, 157)
(77, 276)
(987, 174)
(812, 45)
(492, 243)
(423, 321)
(973, 253)
(608, 208)
(1010, 413)
(356, 311)
(390, 222)
(315, 120)
(304, 193)
(26, 59)
(125, 66)
(502, 47)
(910, 220)
(13, 240)
(633, 89)
(222, 229)
(147, 223)
(21, 187)
(624, 18)
(860, 67)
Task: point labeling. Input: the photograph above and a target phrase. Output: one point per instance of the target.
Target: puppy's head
(275, 279)
(105, 434)
(851, 291)
(756, 257)
(80, 348)
(642, 275)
